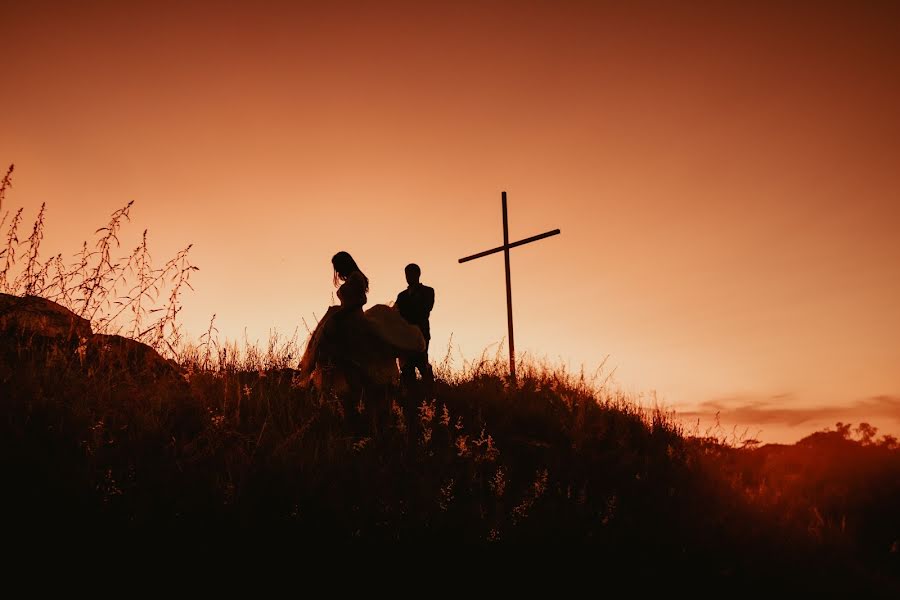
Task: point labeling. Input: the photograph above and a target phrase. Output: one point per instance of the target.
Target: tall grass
(231, 443)
(118, 293)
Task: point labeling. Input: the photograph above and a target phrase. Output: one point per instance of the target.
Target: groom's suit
(415, 304)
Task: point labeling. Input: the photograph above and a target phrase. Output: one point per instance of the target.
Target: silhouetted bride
(355, 342)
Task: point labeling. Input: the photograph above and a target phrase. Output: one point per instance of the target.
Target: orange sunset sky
(725, 175)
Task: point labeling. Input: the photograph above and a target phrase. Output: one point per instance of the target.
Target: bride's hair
(344, 266)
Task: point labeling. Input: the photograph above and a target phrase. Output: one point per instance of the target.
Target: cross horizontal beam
(533, 238)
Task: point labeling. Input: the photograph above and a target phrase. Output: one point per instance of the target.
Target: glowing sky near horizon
(725, 176)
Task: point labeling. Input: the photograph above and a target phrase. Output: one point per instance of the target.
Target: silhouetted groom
(415, 304)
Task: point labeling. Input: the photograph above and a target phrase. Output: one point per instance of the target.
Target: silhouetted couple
(351, 343)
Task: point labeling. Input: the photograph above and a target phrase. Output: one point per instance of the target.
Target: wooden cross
(505, 248)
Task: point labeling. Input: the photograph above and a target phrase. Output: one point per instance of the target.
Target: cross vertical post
(505, 248)
(509, 316)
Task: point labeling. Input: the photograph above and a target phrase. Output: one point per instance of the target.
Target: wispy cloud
(777, 410)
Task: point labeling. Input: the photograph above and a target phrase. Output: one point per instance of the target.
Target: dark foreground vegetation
(101, 433)
(104, 439)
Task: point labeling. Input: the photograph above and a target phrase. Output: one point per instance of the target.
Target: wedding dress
(368, 342)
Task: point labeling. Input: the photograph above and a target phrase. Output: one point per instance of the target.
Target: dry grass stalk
(92, 285)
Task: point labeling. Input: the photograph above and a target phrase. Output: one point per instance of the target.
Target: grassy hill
(105, 441)
(99, 432)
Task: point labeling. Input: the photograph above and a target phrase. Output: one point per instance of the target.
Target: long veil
(391, 327)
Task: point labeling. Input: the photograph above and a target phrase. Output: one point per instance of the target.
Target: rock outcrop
(32, 325)
(32, 317)
(115, 353)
